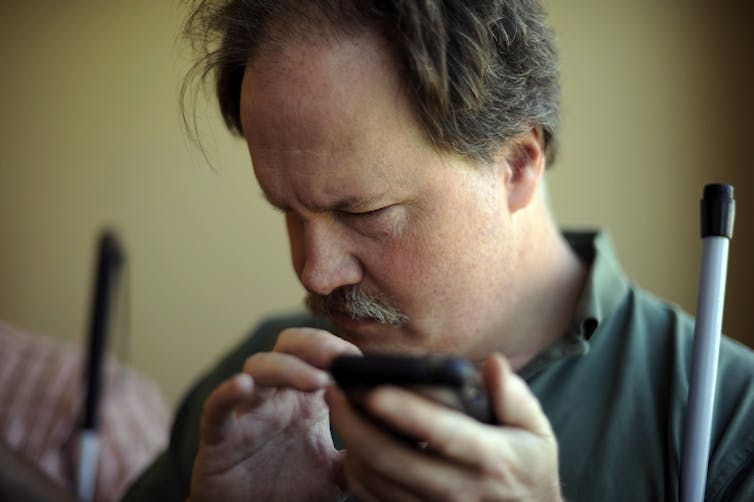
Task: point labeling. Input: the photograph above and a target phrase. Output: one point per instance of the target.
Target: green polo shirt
(614, 388)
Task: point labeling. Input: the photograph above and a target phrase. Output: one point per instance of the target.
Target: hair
(479, 73)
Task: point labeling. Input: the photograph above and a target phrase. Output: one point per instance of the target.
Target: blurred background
(657, 102)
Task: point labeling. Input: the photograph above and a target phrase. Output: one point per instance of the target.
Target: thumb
(512, 400)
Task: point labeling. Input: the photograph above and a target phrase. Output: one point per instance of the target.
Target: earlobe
(525, 165)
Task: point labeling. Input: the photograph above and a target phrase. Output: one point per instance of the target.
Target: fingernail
(325, 378)
(244, 382)
(319, 379)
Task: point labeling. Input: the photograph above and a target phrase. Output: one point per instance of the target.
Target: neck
(551, 280)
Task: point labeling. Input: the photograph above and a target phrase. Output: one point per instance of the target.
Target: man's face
(368, 201)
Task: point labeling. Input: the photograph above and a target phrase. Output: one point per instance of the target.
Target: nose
(322, 254)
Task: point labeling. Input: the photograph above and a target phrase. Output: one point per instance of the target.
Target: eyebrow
(345, 204)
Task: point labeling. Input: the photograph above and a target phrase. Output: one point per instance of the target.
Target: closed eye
(366, 214)
(374, 212)
(381, 222)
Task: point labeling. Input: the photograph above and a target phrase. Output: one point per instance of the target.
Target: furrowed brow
(344, 204)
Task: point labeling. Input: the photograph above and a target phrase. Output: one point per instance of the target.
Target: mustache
(358, 304)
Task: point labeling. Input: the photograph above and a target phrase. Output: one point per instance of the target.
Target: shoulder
(660, 334)
(633, 383)
(663, 335)
(650, 339)
(666, 332)
(657, 320)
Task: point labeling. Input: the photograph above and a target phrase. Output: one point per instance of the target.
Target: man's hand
(463, 459)
(265, 432)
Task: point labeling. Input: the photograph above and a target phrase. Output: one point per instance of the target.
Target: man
(406, 144)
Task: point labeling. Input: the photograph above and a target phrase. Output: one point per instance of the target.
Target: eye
(366, 215)
(372, 213)
(379, 223)
(368, 221)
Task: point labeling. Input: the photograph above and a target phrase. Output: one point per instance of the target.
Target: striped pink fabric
(41, 392)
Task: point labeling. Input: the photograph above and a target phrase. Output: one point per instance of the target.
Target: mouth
(347, 320)
(357, 329)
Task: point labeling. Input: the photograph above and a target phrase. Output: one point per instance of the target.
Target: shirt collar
(604, 290)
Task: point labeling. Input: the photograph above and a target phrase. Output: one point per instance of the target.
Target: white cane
(110, 259)
(718, 212)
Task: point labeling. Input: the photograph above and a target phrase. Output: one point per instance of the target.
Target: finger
(366, 484)
(512, 400)
(362, 480)
(356, 489)
(274, 369)
(218, 408)
(446, 431)
(354, 483)
(388, 460)
(339, 470)
(315, 346)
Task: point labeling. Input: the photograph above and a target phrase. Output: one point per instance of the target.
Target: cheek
(445, 254)
(414, 265)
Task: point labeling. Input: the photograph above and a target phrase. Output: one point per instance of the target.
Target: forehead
(333, 108)
(327, 84)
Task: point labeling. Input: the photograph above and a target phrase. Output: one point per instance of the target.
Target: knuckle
(286, 337)
(492, 468)
(264, 365)
(296, 339)
(329, 344)
(454, 437)
(494, 464)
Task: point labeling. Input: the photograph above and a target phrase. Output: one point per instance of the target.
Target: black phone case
(359, 374)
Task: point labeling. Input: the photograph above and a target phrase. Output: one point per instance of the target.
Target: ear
(525, 165)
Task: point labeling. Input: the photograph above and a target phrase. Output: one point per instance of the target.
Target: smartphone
(449, 380)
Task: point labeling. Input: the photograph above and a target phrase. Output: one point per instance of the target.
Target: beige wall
(656, 103)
